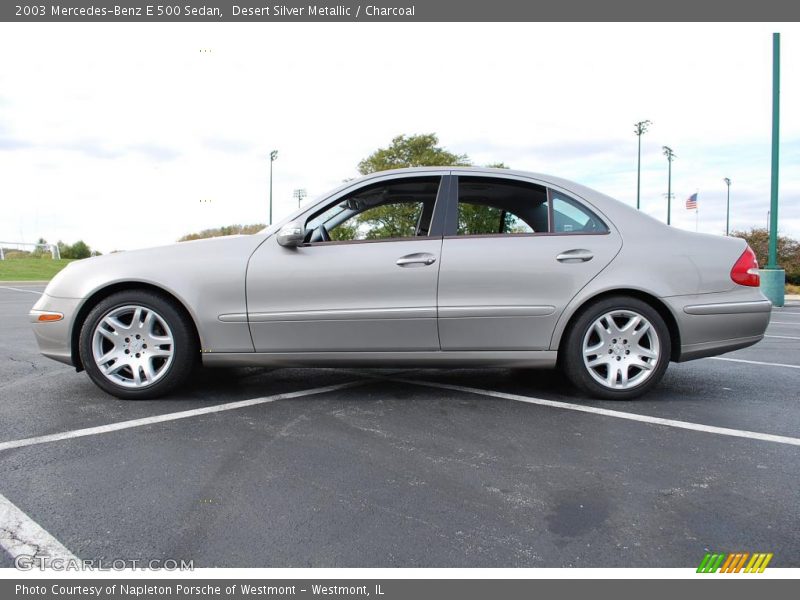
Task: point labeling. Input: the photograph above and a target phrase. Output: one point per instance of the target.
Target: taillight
(745, 271)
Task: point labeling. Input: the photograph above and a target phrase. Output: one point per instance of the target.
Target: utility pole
(670, 157)
(300, 195)
(273, 156)
(641, 127)
(727, 181)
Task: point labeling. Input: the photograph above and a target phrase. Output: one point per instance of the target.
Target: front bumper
(55, 337)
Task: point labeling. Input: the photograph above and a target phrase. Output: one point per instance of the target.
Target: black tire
(572, 359)
(185, 349)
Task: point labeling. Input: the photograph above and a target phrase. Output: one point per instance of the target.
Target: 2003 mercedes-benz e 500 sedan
(426, 267)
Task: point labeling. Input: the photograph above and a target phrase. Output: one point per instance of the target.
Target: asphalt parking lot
(411, 468)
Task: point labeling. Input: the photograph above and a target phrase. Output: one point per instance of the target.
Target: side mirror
(292, 234)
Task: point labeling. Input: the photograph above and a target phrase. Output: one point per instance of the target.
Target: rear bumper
(54, 337)
(705, 349)
(712, 324)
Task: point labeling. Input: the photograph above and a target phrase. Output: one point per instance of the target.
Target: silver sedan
(426, 267)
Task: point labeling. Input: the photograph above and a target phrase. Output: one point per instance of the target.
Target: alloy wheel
(133, 346)
(621, 349)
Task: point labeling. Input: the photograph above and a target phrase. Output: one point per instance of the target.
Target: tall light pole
(670, 157)
(641, 127)
(273, 156)
(727, 181)
(300, 195)
(773, 278)
(776, 109)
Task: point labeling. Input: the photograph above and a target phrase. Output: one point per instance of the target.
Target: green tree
(344, 231)
(788, 251)
(421, 150)
(399, 219)
(41, 249)
(480, 219)
(224, 230)
(77, 250)
(63, 249)
(80, 250)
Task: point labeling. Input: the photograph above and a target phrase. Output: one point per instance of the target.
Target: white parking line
(66, 435)
(754, 362)
(21, 535)
(754, 435)
(783, 337)
(783, 323)
(5, 287)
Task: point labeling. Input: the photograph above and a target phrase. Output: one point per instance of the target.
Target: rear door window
(494, 206)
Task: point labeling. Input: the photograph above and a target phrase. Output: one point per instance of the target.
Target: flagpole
(697, 213)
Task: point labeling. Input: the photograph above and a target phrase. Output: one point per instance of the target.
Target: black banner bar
(400, 10)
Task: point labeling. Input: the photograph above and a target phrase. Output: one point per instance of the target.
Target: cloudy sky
(131, 135)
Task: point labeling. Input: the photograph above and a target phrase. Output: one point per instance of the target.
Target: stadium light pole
(670, 157)
(273, 156)
(641, 127)
(727, 181)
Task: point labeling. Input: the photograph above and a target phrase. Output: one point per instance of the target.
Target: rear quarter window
(570, 216)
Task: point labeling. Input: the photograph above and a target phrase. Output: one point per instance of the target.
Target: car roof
(470, 169)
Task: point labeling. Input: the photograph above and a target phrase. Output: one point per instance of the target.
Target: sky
(131, 135)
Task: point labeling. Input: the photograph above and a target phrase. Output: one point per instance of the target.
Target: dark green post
(773, 278)
(776, 116)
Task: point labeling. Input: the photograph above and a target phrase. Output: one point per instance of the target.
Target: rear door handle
(419, 259)
(575, 256)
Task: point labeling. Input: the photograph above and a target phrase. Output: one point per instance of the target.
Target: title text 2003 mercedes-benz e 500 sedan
(427, 267)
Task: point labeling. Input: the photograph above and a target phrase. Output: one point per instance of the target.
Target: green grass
(31, 269)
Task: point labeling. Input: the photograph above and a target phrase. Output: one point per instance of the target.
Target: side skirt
(440, 359)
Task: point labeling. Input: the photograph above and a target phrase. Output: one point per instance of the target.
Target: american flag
(691, 202)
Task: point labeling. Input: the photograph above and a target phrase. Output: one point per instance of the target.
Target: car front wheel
(617, 349)
(137, 344)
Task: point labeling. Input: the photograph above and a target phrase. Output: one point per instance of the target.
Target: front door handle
(575, 256)
(419, 259)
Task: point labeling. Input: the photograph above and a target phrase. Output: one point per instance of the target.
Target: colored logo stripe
(710, 563)
(758, 563)
(734, 562)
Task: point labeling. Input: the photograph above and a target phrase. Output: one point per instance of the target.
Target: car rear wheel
(137, 344)
(618, 348)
